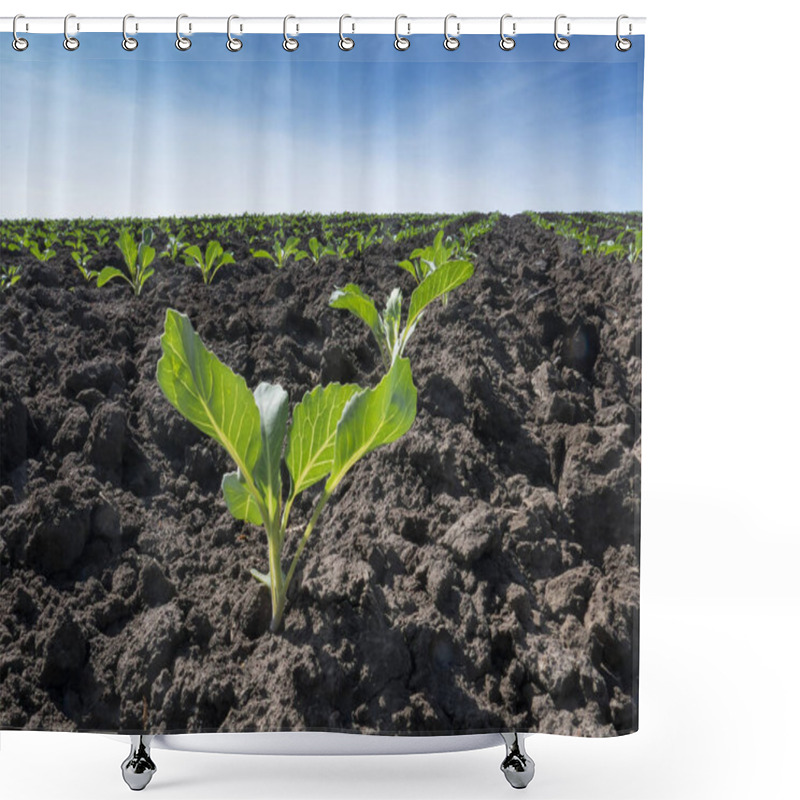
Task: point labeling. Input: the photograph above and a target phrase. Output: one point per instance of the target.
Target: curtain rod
(460, 26)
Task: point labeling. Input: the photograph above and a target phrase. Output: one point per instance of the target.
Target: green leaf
(192, 253)
(443, 280)
(107, 273)
(128, 249)
(213, 251)
(309, 454)
(239, 499)
(352, 299)
(408, 266)
(273, 408)
(209, 394)
(147, 255)
(391, 320)
(372, 418)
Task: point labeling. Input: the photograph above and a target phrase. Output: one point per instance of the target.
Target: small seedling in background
(385, 326)
(8, 276)
(281, 252)
(208, 264)
(137, 257)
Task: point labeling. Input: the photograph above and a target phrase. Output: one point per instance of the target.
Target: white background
(720, 597)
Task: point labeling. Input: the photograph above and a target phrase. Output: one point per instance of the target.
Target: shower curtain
(321, 385)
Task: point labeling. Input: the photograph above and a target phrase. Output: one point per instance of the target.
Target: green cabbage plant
(391, 336)
(331, 429)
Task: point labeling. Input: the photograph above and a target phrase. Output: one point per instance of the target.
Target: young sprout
(281, 253)
(208, 264)
(332, 428)
(137, 257)
(386, 326)
(9, 275)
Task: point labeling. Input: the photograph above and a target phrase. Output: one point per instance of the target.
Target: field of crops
(476, 571)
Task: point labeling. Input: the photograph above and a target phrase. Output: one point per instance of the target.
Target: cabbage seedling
(208, 264)
(317, 251)
(385, 326)
(138, 258)
(8, 276)
(281, 253)
(332, 428)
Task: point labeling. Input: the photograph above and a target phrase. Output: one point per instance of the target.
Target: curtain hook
(70, 42)
(345, 42)
(233, 44)
(560, 43)
(622, 44)
(18, 43)
(401, 42)
(128, 42)
(507, 42)
(290, 44)
(181, 42)
(451, 42)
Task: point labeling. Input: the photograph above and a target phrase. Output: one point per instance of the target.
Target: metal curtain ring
(622, 44)
(507, 42)
(450, 42)
(70, 42)
(401, 42)
(18, 43)
(181, 41)
(345, 42)
(290, 44)
(128, 42)
(233, 44)
(560, 43)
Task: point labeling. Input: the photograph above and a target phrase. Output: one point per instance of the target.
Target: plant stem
(277, 585)
(323, 498)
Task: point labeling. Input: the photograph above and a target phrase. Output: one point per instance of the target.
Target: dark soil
(479, 574)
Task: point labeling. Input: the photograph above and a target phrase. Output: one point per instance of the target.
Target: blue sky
(103, 132)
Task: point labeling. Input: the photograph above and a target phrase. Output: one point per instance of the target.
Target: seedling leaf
(372, 418)
(209, 394)
(309, 454)
(239, 499)
(273, 407)
(443, 280)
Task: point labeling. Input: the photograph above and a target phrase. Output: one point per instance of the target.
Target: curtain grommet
(183, 43)
(290, 43)
(129, 43)
(17, 42)
(561, 44)
(451, 43)
(345, 42)
(507, 42)
(70, 43)
(622, 44)
(401, 43)
(233, 44)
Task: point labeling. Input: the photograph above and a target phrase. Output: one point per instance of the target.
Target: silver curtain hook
(128, 42)
(345, 42)
(401, 42)
(560, 43)
(622, 44)
(70, 42)
(18, 43)
(507, 42)
(181, 41)
(290, 44)
(233, 44)
(450, 42)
